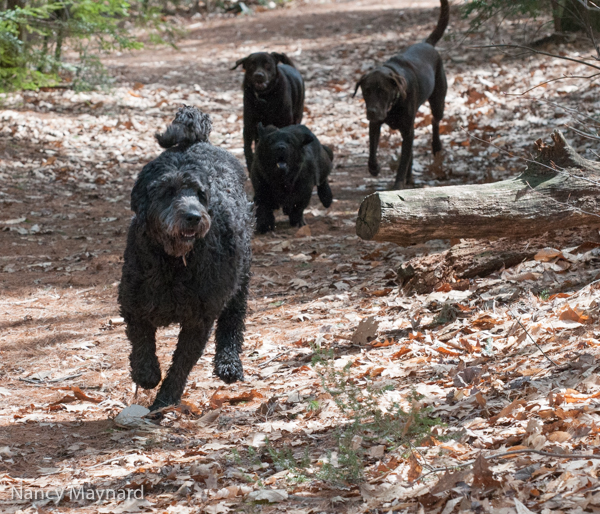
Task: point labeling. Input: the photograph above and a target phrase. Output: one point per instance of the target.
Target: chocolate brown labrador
(394, 92)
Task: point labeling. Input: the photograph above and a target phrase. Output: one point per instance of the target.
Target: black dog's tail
(442, 23)
(189, 126)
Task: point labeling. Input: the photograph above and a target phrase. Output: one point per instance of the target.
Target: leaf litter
(423, 378)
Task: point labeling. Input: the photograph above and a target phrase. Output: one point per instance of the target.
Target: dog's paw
(146, 374)
(399, 185)
(374, 168)
(230, 371)
(160, 403)
(263, 228)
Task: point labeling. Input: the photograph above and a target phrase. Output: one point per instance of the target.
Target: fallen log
(559, 190)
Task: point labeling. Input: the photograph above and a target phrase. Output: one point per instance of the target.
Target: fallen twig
(533, 340)
(263, 364)
(508, 454)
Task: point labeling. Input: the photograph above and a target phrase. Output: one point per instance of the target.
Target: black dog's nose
(193, 217)
(259, 75)
(371, 112)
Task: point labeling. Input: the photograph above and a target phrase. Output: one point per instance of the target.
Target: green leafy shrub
(33, 38)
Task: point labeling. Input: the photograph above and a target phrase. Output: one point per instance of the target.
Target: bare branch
(571, 456)
(532, 340)
(528, 48)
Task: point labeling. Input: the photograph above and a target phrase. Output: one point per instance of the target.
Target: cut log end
(369, 217)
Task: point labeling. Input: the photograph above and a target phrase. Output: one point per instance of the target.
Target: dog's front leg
(405, 167)
(229, 336)
(374, 133)
(250, 136)
(145, 368)
(191, 343)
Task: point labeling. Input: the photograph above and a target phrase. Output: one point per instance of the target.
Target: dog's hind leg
(229, 336)
(190, 345)
(436, 102)
(145, 368)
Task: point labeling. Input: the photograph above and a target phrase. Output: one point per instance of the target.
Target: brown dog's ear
(400, 83)
(358, 85)
(240, 61)
(282, 58)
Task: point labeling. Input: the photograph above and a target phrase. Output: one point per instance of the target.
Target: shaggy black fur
(394, 92)
(273, 95)
(187, 258)
(288, 163)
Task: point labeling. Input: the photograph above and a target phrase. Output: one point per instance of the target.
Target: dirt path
(67, 164)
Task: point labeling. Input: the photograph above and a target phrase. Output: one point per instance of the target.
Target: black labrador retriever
(394, 92)
(273, 95)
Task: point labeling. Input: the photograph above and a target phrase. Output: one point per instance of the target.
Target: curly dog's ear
(358, 84)
(139, 196)
(282, 58)
(400, 83)
(240, 61)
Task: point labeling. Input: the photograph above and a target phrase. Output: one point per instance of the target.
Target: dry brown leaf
(558, 437)
(449, 481)
(483, 478)
(415, 468)
(507, 411)
(403, 351)
(445, 351)
(303, 231)
(365, 331)
(548, 254)
(569, 314)
(221, 397)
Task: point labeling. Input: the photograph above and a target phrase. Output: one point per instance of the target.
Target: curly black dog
(394, 92)
(289, 162)
(273, 95)
(187, 258)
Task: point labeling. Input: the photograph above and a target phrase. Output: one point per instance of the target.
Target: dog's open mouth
(188, 235)
(260, 86)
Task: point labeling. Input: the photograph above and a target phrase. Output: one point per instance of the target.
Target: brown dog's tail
(442, 23)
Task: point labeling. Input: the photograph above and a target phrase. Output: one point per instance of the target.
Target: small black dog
(273, 95)
(187, 258)
(394, 92)
(288, 163)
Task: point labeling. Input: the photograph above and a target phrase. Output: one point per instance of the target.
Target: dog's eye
(170, 191)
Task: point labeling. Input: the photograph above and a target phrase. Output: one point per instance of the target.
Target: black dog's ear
(240, 61)
(307, 139)
(261, 130)
(358, 85)
(282, 58)
(400, 83)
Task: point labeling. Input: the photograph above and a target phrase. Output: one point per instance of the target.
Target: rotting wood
(560, 190)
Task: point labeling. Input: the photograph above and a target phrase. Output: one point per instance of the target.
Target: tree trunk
(561, 190)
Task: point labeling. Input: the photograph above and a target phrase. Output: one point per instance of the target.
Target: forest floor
(355, 389)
